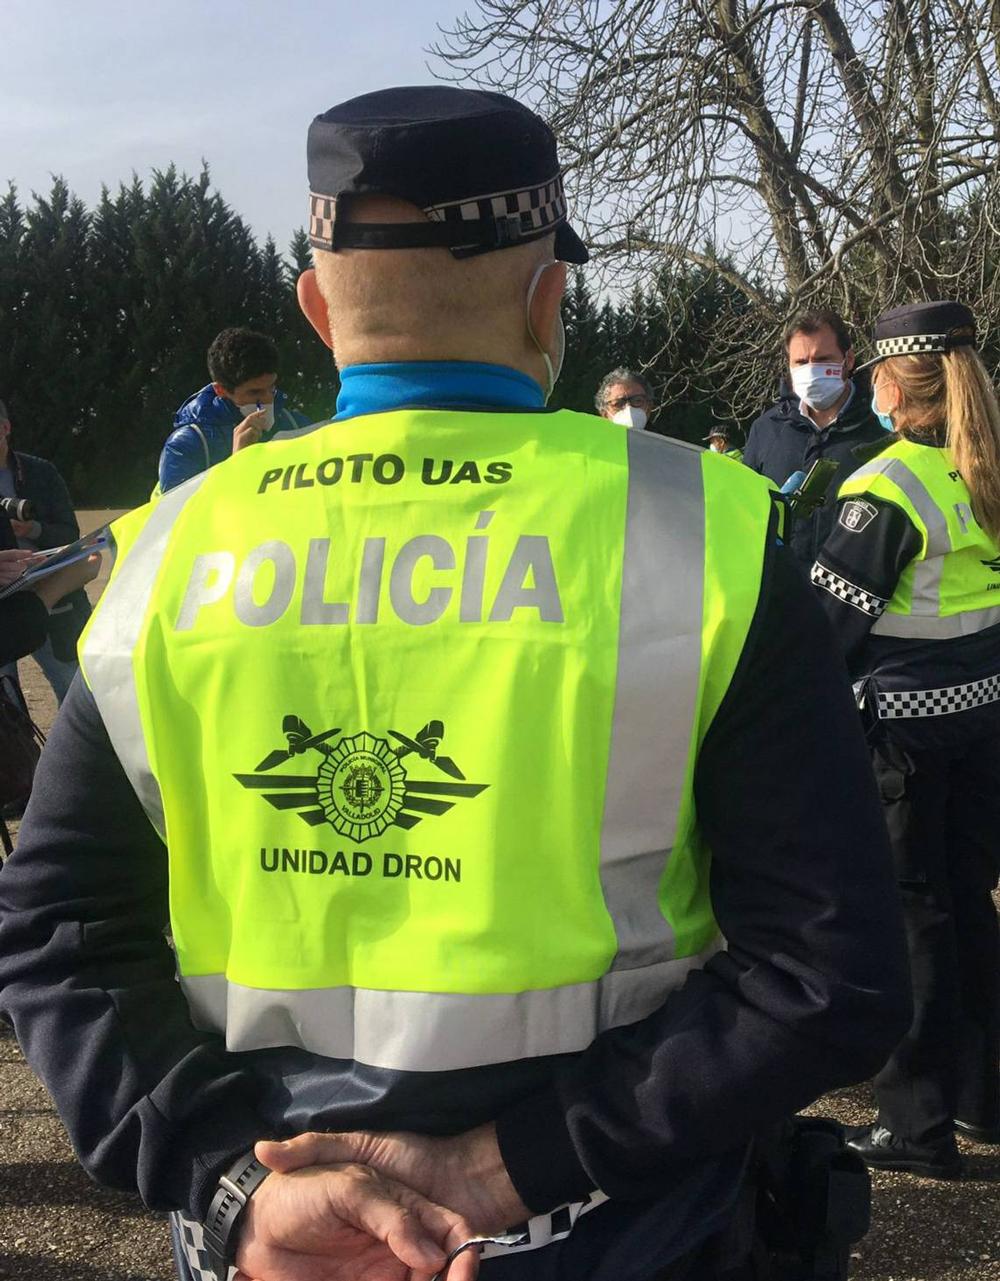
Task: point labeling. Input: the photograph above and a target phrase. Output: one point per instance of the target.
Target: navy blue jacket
(810, 993)
(39, 480)
(203, 434)
(783, 440)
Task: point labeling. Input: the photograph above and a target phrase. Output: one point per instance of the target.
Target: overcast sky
(97, 89)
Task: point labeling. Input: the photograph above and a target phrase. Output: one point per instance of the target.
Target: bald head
(374, 305)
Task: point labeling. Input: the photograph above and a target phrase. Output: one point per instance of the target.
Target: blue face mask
(884, 419)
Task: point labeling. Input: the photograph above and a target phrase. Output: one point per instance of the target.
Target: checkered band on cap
(321, 220)
(913, 344)
(525, 214)
(537, 209)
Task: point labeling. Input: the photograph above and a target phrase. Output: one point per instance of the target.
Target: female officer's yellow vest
(952, 587)
(415, 701)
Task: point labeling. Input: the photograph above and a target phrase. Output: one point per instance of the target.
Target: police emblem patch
(857, 515)
(361, 787)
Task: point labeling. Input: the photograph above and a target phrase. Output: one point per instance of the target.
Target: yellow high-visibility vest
(952, 587)
(415, 701)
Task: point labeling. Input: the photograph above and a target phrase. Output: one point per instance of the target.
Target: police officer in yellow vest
(458, 734)
(911, 578)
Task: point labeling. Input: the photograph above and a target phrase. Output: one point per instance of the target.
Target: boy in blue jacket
(239, 407)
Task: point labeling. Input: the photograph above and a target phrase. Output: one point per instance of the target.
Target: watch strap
(226, 1210)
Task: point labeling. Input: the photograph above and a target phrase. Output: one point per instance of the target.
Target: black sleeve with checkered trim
(859, 567)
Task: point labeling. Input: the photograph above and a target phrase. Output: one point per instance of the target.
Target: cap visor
(868, 364)
(569, 246)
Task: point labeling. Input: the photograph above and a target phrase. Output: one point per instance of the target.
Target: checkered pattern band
(540, 1231)
(913, 345)
(523, 215)
(938, 702)
(190, 1239)
(321, 220)
(543, 1229)
(848, 592)
(921, 343)
(536, 209)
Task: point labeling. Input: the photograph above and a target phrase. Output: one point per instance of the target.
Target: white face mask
(552, 368)
(266, 410)
(819, 386)
(629, 416)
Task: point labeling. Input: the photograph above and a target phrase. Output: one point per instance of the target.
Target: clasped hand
(374, 1207)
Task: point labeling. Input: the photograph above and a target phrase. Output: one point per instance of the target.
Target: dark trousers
(942, 808)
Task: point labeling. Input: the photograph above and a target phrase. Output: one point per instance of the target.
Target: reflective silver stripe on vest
(656, 694)
(926, 599)
(950, 627)
(114, 634)
(430, 1031)
(938, 537)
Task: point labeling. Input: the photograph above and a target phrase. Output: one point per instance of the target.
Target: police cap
(482, 167)
(919, 328)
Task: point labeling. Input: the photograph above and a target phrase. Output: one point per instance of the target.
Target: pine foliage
(107, 316)
(108, 313)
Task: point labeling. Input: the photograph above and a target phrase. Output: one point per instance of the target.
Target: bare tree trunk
(774, 183)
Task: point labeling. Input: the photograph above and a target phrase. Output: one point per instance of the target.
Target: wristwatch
(225, 1213)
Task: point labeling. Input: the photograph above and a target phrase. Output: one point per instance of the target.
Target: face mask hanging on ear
(884, 419)
(553, 369)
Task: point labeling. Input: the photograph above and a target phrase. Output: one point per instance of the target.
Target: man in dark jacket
(52, 523)
(239, 407)
(824, 414)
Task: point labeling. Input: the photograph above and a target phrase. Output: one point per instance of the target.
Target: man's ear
(849, 361)
(313, 305)
(221, 391)
(545, 303)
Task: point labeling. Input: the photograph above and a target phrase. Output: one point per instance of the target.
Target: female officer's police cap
(482, 167)
(919, 328)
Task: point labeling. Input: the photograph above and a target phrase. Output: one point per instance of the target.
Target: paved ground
(55, 1225)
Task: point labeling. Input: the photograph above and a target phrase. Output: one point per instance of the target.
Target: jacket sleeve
(24, 624)
(55, 514)
(752, 454)
(859, 567)
(182, 457)
(812, 990)
(88, 979)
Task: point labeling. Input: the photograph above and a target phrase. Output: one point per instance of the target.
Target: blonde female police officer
(911, 578)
